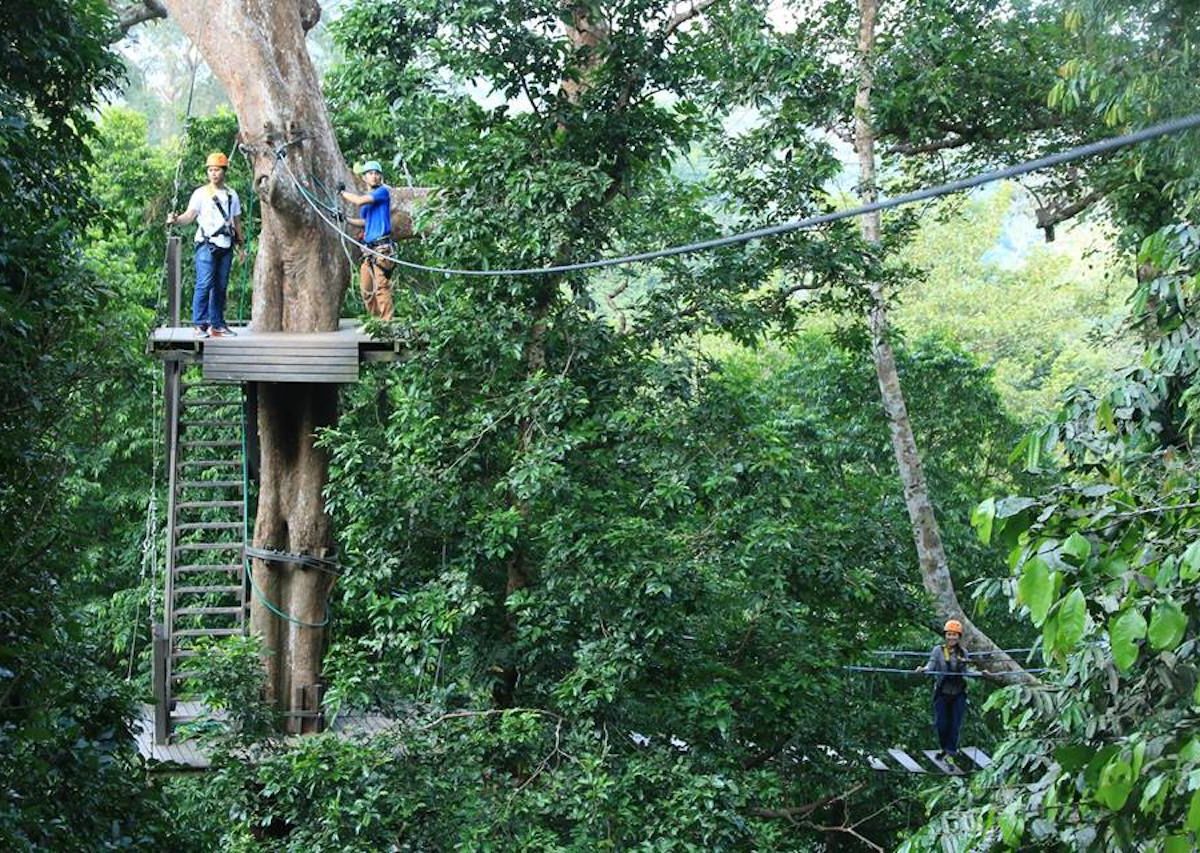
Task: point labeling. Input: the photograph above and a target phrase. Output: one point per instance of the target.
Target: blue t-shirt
(377, 215)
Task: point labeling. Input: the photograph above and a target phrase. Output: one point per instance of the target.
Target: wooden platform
(253, 356)
(189, 755)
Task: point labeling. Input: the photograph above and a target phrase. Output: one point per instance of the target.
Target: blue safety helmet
(372, 166)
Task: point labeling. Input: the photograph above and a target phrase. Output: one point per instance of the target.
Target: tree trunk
(931, 554)
(258, 52)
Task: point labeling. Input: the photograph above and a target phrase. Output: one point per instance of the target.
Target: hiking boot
(226, 332)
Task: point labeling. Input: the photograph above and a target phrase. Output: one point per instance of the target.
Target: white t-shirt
(209, 219)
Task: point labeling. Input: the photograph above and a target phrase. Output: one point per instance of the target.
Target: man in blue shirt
(375, 217)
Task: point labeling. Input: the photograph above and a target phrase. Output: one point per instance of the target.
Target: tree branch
(808, 808)
(694, 10)
(929, 147)
(611, 300)
(1055, 213)
(130, 16)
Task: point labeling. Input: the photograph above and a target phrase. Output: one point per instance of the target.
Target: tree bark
(931, 554)
(258, 52)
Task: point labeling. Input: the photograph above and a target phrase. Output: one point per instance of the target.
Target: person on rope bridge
(949, 660)
(375, 217)
(218, 212)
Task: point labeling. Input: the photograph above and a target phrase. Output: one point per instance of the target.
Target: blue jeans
(948, 714)
(212, 281)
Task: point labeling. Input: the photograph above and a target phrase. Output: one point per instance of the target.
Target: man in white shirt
(218, 213)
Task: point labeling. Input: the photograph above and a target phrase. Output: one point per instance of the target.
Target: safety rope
(149, 562)
(974, 655)
(246, 263)
(1070, 155)
(924, 672)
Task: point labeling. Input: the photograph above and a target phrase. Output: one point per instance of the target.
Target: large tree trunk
(931, 554)
(258, 52)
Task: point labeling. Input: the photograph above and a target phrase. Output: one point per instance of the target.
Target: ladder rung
(188, 386)
(211, 463)
(208, 422)
(209, 567)
(208, 611)
(183, 676)
(206, 504)
(221, 443)
(215, 590)
(209, 525)
(209, 484)
(210, 546)
(207, 632)
(209, 401)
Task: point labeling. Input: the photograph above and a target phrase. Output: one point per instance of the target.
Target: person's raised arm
(185, 218)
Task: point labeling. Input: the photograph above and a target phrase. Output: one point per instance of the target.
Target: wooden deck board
(253, 356)
(906, 761)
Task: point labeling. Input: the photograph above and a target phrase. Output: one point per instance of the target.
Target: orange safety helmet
(953, 625)
(217, 159)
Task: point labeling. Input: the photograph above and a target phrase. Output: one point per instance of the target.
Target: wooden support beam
(162, 712)
(174, 279)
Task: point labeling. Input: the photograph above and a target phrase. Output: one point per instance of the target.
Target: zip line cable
(923, 672)
(1070, 155)
(973, 655)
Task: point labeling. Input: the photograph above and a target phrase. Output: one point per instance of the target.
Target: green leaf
(1076, 549)
(1178, 844)
(1189, 569)
(1012, 824)
(1123, 633)
(1155, 794)
(1167, 625)
(1116, 782)
(1193, 815)
(1010, 506)
(1072, 620)
(1035, 589)
(1049, 635)
(981, 520)
(1073, 756)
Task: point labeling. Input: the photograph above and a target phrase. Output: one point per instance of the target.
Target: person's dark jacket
(947, 664)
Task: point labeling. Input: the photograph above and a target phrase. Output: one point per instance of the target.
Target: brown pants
(374, 283)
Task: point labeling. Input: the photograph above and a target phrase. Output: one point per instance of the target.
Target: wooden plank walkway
(253, 356)
(910, 763)
(189, 755)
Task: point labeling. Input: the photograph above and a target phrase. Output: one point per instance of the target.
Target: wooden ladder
(206, 590)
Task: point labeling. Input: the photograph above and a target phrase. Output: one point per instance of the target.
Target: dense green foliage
(984, 287)
(68, 778)
(609, 538)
